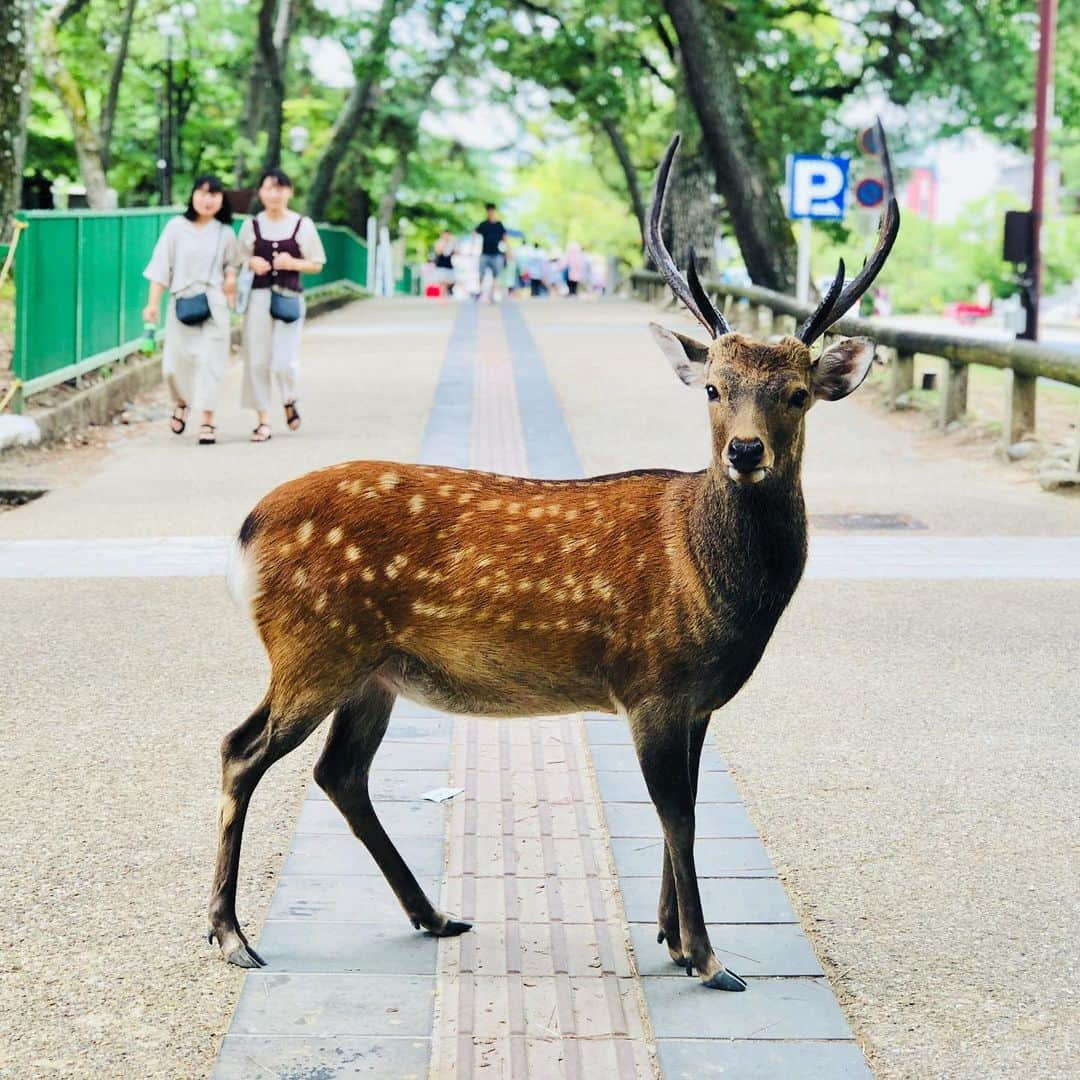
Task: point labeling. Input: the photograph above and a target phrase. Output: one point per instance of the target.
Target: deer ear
(841, 368)
(687, 356)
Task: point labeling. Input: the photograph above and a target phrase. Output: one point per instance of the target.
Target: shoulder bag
(195, 310)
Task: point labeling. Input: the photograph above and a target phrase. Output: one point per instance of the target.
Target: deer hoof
(454, 927)
(244, 956)
(235, 949)
(725, 980)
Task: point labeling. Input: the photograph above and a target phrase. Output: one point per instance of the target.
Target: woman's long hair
(215, 186)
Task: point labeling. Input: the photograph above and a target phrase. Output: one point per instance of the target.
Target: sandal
(261, 433)
(179, 416)
(206, 435)
(292, 415)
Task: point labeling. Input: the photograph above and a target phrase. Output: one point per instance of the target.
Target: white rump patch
(243, 577)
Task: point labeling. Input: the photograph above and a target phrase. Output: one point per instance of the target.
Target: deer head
(759, 392)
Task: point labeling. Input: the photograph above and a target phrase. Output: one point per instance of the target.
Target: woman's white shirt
(189, 258)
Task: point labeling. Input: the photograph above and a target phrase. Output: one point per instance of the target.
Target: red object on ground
(433, 290)
(967, 313)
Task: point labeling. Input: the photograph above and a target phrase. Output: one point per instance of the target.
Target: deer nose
(745, 454)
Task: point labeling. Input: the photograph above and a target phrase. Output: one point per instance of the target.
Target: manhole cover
(877, 522)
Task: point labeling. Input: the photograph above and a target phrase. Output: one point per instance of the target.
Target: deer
(650, 594)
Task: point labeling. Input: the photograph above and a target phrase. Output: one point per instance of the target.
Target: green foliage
(578, 73)
(560, 198)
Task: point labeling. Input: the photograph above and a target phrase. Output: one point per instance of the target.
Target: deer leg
(663, 743)
(246, 754)
(342, 772)
(668, 911)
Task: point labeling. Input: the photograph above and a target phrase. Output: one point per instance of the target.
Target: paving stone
(404, 707)
(246, 1056)
(335, 1004)
(341, 898)
(366, 948)
(725, 900)
(424, 729)
(398, 819)
(711, 820)
(395, 785)
(769, 949)
(686, 1059)
(769, 1009)
(605, 733)
(630, 787)
(622, 758)
(395, 755)
(714, 858)
(328, 853)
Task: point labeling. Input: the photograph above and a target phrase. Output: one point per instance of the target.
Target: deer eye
(712, 392)
(798, 399)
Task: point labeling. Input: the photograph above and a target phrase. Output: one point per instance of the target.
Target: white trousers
(271, 348)
(195, 357)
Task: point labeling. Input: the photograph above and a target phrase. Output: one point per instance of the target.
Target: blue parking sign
(816, 186)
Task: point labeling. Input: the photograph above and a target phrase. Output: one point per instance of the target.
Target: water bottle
(148, 343)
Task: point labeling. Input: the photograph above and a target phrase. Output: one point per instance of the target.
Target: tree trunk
(16, 22)
(689, 211)
(87, 146)
(272, 51)
(356, 108)
(388, 202)
(108, 114)
(742, 176)
(622, 152)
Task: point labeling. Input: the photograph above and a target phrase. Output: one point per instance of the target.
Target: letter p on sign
(816, 187)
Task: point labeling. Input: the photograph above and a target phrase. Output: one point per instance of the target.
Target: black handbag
(285, 307)
(195, 310)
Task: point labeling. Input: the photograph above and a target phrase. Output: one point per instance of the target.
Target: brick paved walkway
(553, 851)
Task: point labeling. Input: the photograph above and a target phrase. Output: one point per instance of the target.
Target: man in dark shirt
(493, 232)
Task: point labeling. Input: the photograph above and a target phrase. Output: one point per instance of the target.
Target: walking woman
(278, 245)
(194, 260)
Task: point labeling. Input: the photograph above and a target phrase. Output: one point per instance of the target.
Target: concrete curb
(98, 404)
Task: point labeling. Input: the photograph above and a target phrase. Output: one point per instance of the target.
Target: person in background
(195, 258)
(537, 268)
(278, 245)
(493, 235)
(577, 267)
(444, 262)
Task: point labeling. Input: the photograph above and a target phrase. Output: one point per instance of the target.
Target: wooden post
(953, 392)
(901, 375)
(764, 322)
(1019, 408)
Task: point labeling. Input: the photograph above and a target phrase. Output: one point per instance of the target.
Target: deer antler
(692, 294)
(833, 307)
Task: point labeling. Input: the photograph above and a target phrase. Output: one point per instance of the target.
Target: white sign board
(816, 187)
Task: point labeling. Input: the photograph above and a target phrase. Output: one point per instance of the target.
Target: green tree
(15, 44)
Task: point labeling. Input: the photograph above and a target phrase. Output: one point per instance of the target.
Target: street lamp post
(169, 27)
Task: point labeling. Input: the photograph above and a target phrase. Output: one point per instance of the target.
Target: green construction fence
(79, 289)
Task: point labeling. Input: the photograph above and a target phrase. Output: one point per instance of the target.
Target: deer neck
(749, 543)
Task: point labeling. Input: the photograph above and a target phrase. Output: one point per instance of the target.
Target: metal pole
(1043, 103)
(168, 121)
(1020, 392)
(802, 276)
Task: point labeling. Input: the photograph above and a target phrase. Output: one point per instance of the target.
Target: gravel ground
(108, 811)
(919, 793)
